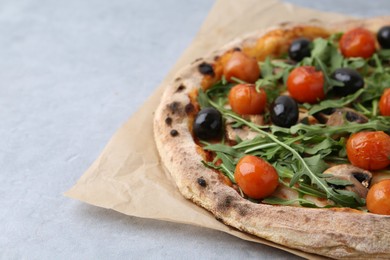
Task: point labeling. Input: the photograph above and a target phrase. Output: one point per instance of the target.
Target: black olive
(299, 49)
(352, 80)
(208, 124)
(383, 37)
(284, 111)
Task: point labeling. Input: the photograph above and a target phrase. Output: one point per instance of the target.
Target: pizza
(284, 134)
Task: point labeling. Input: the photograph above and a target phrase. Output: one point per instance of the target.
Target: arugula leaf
(335, 103)
(223, 149)
(354, 63)
(329, 82)
(348, 127)
(320, 49)
(266, 68)
(203, 99)
(280, 201)
(227, 166)
(302, 201)
(339, 182)
(269, 80)
(336, 59)
(384, 53)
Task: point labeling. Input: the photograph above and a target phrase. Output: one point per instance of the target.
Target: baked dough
(333, 232)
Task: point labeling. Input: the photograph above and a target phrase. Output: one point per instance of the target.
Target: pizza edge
(337, 233)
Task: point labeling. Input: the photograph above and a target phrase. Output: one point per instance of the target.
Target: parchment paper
(129, 168)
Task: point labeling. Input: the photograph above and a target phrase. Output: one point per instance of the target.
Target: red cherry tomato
(378, 198)
(257, 178)
(305, 84)
(369, 150)
(242, 67)
(384, 103)
(245, 100)
(357, 42)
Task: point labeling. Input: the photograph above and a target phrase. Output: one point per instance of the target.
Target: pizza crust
(336, 233)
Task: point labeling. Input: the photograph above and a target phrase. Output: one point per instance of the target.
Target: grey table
(71, 72)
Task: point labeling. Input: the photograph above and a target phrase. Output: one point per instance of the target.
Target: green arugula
(300, 153)
(335, 103)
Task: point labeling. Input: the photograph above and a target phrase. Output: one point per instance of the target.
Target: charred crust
(174, 107)
(226, 203)
(196, 60)
(216, 58)
(219, 219)
(189, 108)
(178, 79)
(242, 210)
(206, 69)
(168, 121)
(174, 133)
(202, 182)
(181, 88)
(283, 24)
(237, 49)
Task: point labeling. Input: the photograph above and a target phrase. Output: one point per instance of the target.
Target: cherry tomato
(384, 103)
(357, 42)
(242, 67)
(257, 178)
(245, 100)
(369, 150)
(378, 198)
(305, 84)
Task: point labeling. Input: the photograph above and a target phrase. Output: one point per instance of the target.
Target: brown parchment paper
(129, 167)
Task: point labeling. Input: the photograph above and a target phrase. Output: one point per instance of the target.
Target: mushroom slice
(305, 118)
(360, 179)
(341, 115)
(256, 119)
(242, 133)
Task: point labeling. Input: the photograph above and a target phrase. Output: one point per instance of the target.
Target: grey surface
(71, 72)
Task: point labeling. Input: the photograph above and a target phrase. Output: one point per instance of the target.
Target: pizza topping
(306, 84)
(208, 124)
(245, 100)
(284, 111)
(299, 49)
(369, 150)
(341, 92)
(256, 178)
(383, 37)
(206, 69)
(384, 103)
(351, 177)
(351, 79)
(358, 42)
(242, 67)
(341, 115)
(378, 198)
(234, 134)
